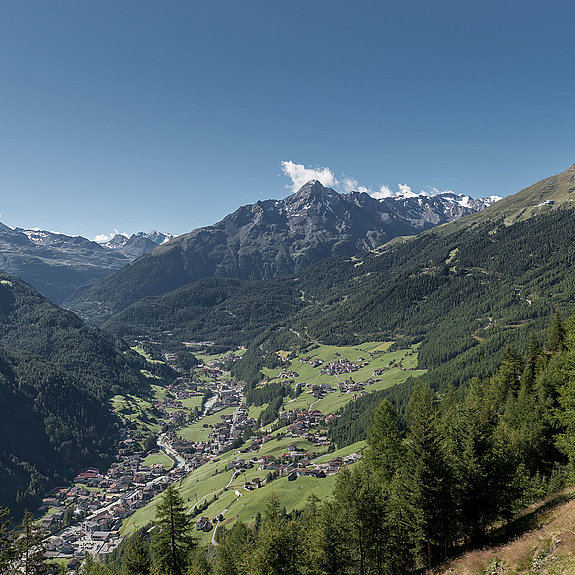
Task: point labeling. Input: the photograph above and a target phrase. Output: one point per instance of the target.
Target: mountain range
(270, 239)
(136, 245)
(57, 264)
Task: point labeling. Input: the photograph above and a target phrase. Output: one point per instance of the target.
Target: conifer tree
(136, 559)
(6, 541)
(172, 541)
(233, 545)
(200, 564)
(428, 487)
(361, 515)
(30, 549)
(277, 550)
(479, 473)
(556, 336)
(384, 443)
(92, 567)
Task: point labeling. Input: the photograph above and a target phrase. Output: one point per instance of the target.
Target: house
(204, 524)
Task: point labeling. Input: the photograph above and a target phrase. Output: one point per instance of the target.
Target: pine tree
(30, 549)
(474, 456)
(556, 336)
(384, 443)
(92, 567)
(136, 559)
(361, 514)
(172, 541)
(231, 548)
(277, 548)
(200, 564)
(429, 488)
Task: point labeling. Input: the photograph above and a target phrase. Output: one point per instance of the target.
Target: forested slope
(56, 375)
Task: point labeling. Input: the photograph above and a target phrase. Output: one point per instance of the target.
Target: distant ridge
(136, 245)
(57, 265)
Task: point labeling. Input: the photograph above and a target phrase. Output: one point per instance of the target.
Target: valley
(199, 434)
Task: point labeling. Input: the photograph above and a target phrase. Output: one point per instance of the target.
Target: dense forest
(56, 376)
(227, 311)
(449, 477)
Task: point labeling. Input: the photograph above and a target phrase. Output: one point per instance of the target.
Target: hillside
(543, 543)
(271, 239)
(230, 312)
(55, 375)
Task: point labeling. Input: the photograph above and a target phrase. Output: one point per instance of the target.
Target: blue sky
(140, 114)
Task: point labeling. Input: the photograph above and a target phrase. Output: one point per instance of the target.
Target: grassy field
(399, 365)
(146, 355)
(255, 410)
(207, 479)
(211, 479)
(149, 375)
(159, 458)
(137, 410)
(192, 402)
(348, 450)
(199, 430)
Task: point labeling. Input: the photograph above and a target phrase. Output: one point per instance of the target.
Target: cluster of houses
(315, 362)
(293, 464)
(342, 366)
(97, 503)
(306, 424)
(288, 375)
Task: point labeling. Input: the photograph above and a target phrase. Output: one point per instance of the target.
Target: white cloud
(103, 238)
(350, 184)
(300, 175)
(384, 192)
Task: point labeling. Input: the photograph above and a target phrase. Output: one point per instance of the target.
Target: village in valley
(201, 422)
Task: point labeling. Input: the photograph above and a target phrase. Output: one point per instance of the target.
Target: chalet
(204, 524)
